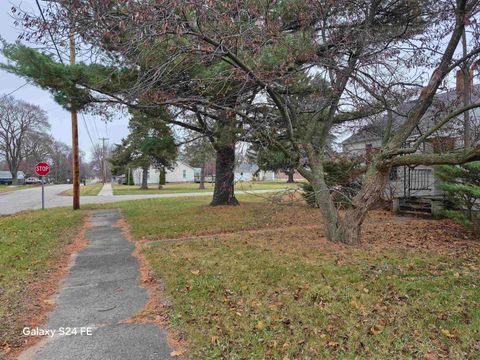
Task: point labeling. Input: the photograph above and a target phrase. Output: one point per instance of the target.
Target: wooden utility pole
(104, 168)
(75, 160)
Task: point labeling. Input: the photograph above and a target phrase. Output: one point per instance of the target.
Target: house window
(184, 174)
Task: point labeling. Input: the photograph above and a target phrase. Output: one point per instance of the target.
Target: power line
(94, 120)
(49, 32)
(88, 131)
(18, 88)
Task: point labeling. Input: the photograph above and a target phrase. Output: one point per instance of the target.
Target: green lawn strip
(154, 219)
(193, 187)
(235, 299)
(31, 244)
(85, 190)
(10, 188)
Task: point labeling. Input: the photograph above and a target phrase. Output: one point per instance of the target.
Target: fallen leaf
(195, 272)
(429, 356)
(447, 333)
(376, 329)
(214, 339)
(175, 353)
(456, 274)
(477, 346)
(260, 325)
(332, 344)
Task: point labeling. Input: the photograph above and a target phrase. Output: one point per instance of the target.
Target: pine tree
(462, 184)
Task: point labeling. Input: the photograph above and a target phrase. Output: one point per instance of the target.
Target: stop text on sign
(42, 169)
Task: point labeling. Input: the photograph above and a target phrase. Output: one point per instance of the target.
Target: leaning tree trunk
(223, 193)
(324, 201)
(351, 223)
(144, 178)
(346, 229)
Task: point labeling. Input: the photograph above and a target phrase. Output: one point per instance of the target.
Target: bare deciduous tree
(19, 123)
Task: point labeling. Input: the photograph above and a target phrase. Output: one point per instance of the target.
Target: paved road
(12, 202)
(100, 293)
(15, 201)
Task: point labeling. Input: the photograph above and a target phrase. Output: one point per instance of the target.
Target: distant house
(6, 177)
(251, 172)
(180, 173)
(416, 182)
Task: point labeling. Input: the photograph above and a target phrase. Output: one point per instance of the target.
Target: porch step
(415, 206)
(419, 206)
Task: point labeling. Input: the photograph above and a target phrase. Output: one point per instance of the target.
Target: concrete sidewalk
(106, 190)
(101, 290)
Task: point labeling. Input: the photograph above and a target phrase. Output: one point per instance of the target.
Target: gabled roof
(442, 105)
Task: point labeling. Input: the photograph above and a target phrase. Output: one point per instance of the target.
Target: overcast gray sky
(59, 118)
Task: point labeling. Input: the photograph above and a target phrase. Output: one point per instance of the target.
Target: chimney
(460, 81)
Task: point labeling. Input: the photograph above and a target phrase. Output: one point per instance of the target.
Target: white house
(180, 173)
(250, 172)
(416, 182)
(6, 177)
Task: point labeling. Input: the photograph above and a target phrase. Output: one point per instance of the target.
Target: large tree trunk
(290, 174)
(223, 193)
(161, 178)
(202, 177)
(350, 225)
(14, 172)
(144, 178)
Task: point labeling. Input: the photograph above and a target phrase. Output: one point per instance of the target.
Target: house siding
(180, 173)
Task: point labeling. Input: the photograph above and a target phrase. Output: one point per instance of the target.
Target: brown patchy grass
(35, 250)
(265, 283)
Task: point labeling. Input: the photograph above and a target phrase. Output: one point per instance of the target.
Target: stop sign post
(42, 169)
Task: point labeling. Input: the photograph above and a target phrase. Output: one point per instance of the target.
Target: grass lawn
(85, 190)
(193, 187)
(9, 188)
(31, 245)
(284, 292)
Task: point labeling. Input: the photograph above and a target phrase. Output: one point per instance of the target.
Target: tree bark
(14, 172)
(290, 174)
(202, 177)
(144, 178)
(350, 225)
(161, 178)
(223, 193)
(316, 177)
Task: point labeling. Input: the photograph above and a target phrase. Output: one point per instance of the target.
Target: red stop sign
(42, 168)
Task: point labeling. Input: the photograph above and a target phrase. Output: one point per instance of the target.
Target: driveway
(30, 199)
